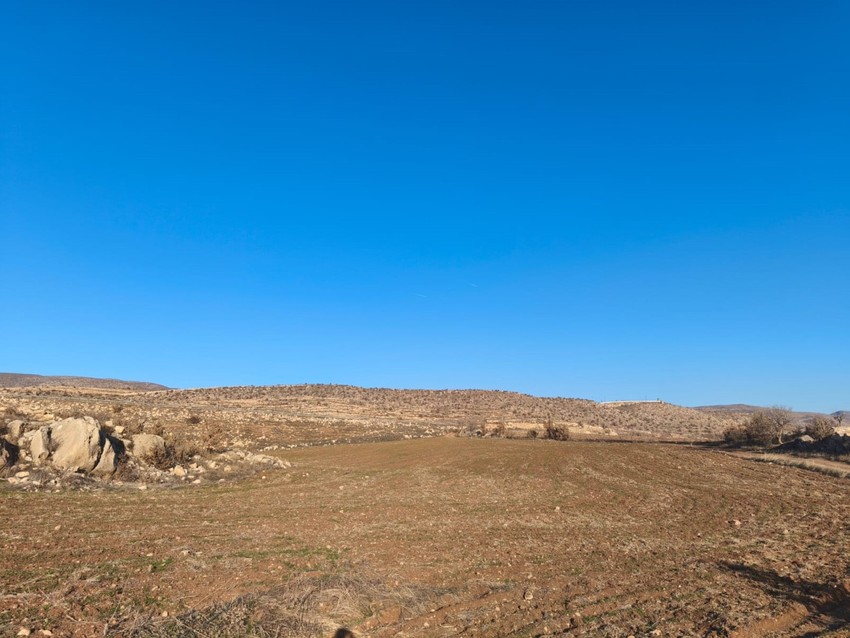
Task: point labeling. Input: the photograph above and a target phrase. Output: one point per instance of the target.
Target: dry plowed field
(442, 537)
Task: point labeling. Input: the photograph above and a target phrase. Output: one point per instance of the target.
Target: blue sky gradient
(608, 200)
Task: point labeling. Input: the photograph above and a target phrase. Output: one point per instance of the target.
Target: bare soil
(444, 536)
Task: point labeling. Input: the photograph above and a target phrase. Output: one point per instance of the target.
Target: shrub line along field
(436, 536)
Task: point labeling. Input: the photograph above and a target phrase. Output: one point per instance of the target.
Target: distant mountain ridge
(17, 380)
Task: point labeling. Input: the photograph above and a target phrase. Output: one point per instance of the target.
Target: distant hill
(734, 408)
(457, 408)
(15, 380)
(315, 412)
(745, 409)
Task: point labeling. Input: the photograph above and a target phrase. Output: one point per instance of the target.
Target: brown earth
(444, 536)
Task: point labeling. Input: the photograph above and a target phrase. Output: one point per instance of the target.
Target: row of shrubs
(549, 430)
(768, 427)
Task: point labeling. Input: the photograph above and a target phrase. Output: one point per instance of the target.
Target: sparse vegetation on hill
(16, 380)
(311, 414)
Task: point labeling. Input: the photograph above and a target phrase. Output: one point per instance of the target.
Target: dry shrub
(180, 452)
(556, 432)
(766, 427)
(735, 436)
(213, 437)
(533, 434)
(820, 428)
(153, 428)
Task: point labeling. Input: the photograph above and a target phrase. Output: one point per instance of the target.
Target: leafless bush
(556, 432)
(764, 428)
(735, 436)
(213, 437)
(153, 428)
(767, 426)
(173, 453)
(820, 428)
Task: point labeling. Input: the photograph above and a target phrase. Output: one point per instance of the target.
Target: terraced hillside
(288, 415)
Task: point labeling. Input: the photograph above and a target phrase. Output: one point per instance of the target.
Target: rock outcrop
(76, 444)
(15, 430)
(77, 452)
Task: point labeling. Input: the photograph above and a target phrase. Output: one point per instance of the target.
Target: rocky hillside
(15, 380)
(308, 414)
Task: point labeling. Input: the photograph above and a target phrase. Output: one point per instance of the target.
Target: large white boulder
(76, 444)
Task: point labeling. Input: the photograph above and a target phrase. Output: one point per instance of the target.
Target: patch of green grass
(160, 565)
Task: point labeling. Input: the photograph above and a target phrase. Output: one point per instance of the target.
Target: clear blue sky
(607, 200)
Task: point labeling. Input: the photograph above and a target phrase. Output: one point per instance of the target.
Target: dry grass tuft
(814, 464)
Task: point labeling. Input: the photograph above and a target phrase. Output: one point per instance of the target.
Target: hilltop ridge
(20, 380)
(314, 413)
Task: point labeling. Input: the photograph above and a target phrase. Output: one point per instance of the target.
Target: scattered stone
(178, 471)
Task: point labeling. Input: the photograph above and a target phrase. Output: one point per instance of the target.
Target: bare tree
(766, 427)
